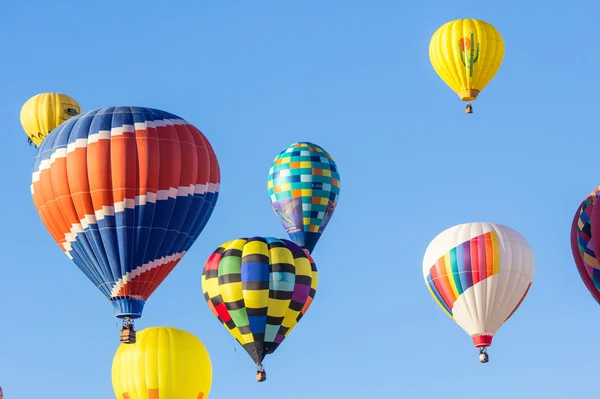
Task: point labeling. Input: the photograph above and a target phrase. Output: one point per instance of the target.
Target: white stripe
(200, 188)
(120, 130)
(101, 135)
(166, 194)
(105, 211)
(127, 203)
(143, 125)
(144, 268)
(151, 197)
(213, 187)
(45, 164)
(144, 199)
(79, 143)
(184, 191)
(178, 121)
(59, 153)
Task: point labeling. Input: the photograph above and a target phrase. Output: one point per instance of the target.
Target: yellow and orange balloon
(44, 112)
(466, 54)
(164, 363)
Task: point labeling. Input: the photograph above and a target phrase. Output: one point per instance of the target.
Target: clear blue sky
(354, 77)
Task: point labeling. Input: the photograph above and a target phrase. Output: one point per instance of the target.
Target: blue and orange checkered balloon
(304, 186)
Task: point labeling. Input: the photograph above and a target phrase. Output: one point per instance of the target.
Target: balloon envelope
(466, 54)
(259, 288)
(585, 238)
(479, 273)
(125, 192)
(164, 363)
(304, 186)
(44, 112)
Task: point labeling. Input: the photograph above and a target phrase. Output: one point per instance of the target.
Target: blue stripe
(190, 220)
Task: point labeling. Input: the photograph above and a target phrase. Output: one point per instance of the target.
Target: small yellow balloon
(466, 54)
(44, 112)
(164, 363)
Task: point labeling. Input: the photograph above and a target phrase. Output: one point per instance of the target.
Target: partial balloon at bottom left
(164, 363)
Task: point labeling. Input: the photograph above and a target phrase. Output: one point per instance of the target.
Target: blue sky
(354, 77)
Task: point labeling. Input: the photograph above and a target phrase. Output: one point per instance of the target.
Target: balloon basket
(128, 335)
(261, 376)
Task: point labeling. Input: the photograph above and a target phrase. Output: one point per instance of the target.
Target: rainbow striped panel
(304, 186)
(583, 244)
(125, 192)
(462, 267)
(259, 288)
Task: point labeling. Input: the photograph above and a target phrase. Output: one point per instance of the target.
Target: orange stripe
(169, 158)
(147, 152)
(40, 204)
(126, 395)
(99, 172)
(78, 182)
(200, 395)
(446, 280)
(306, 305)
(123, 165)
(56, 221)
(189, 157)
(214, 172)
(153, 394)
(60, 183)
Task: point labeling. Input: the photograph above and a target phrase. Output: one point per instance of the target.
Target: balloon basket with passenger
(261, 374)
(483, 356)
(128, 335)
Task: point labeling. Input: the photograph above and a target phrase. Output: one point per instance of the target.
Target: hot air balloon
(304, 186)
(165, 363)
(466, 54)
(479, 273)
(259, 288)
(44, 112)
(125, 192)
(585, 236)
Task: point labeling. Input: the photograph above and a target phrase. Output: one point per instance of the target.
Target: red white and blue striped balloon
(125, 192)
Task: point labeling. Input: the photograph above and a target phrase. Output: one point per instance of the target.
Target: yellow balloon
(466, 54)
(164, 363)
(44, 112)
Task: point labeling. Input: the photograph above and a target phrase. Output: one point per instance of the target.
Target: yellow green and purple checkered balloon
(304, 186)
